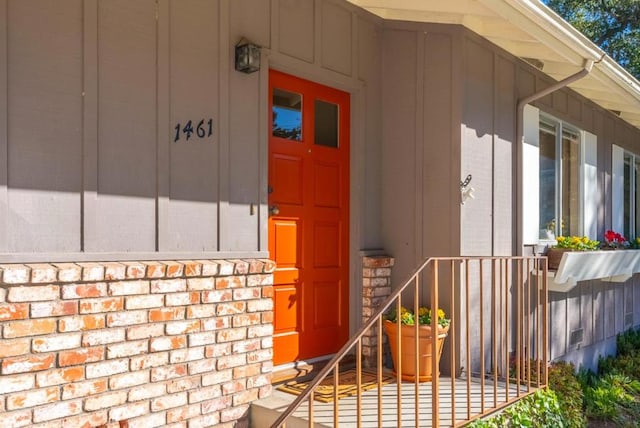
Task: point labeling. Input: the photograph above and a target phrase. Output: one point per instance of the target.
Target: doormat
(346, 386)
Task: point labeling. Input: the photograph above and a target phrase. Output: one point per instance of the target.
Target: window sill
(611, 266)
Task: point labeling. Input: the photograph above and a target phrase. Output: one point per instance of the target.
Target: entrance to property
(308, 217)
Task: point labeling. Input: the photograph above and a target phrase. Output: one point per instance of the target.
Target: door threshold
(306, 369)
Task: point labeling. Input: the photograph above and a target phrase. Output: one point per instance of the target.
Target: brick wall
(153, 343)
(376, 287)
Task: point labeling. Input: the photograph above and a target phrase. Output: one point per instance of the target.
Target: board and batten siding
(93, 94)
(449, 110)
(421, 143)
(584, 321)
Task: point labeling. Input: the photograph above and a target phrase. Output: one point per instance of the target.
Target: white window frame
(618, 193)
(588, 206)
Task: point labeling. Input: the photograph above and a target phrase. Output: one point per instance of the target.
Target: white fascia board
(559, 35)
(545, 25)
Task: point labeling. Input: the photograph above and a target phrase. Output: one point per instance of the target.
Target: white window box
(610, 265)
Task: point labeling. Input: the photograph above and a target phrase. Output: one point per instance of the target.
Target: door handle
(274, 210)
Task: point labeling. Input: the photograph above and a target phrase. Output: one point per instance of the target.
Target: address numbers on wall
(192, 130)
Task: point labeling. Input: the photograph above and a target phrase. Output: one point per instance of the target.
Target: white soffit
(528, 29)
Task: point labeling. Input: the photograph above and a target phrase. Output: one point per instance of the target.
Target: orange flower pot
(408, 347)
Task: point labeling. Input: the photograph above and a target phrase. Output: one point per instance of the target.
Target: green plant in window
(577, 243)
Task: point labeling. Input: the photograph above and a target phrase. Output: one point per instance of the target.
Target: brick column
(376, 287)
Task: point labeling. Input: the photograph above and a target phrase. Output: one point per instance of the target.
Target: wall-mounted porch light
(247, 56)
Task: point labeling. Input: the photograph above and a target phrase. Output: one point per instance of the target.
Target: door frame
(355, 89)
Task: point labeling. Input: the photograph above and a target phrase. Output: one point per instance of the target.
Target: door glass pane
(547, 182)
(287, 115)
(570, 183)
(326, 124)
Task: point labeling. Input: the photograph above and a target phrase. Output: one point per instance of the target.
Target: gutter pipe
(520, 138)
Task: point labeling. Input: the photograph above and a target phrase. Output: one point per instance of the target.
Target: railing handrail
(369, 323)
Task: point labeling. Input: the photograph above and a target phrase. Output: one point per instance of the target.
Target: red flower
(613, 239)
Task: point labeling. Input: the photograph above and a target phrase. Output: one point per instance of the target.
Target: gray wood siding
(399, 173)
(94, 89)
(193, 169)
(370, 154)
(450, 97)
(44, 126)
(126, 169)
(421, 145)
(494, 81)
(477, 148)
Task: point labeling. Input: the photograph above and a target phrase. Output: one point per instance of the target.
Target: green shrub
(628, 364)
(613, 397)
(628, 343)
(563, 381)
(540, 409)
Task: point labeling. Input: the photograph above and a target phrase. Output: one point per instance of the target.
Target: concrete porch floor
(265, 411)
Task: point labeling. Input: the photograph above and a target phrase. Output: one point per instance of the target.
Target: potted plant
(569, 243)
(614, 240)
(407, 352)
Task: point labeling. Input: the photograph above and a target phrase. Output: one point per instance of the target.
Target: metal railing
(495, 352)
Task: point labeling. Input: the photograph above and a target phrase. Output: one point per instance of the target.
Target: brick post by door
(376, 287)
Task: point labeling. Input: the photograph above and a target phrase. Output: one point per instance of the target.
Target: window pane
(570, 183)
(628, 161)
(287, 115)
(326, 124)
(547, 181)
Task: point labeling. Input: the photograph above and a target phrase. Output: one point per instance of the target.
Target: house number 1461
(202, 130)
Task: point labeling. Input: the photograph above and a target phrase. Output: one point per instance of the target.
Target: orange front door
(309, 217)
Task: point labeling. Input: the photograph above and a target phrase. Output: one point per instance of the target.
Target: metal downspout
(520, 137)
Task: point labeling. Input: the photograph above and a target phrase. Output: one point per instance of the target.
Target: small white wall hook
(466, 191)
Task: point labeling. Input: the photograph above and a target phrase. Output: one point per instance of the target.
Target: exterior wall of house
(584, 321)
(421, 143)
(455, 87)
(594, 312)
(98, 161)
(98, 179)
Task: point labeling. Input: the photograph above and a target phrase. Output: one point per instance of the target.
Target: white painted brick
(107, 368)
(127, 380)
(127, 349)
(68, 272)
(168, 285)
(58, 410)
(147, 391)
(17, 383)
(144, 301)
(186, 355)
(57, 342)
(15, 274)
(168, 401)
(128, 411)
(103, 337)
(128, 288)
(105, 401)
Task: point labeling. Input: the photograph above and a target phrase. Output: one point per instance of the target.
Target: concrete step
(265, 411)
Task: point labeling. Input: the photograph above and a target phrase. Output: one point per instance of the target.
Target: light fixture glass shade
(247, 58)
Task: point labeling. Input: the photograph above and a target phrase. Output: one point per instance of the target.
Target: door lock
(274, 210)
